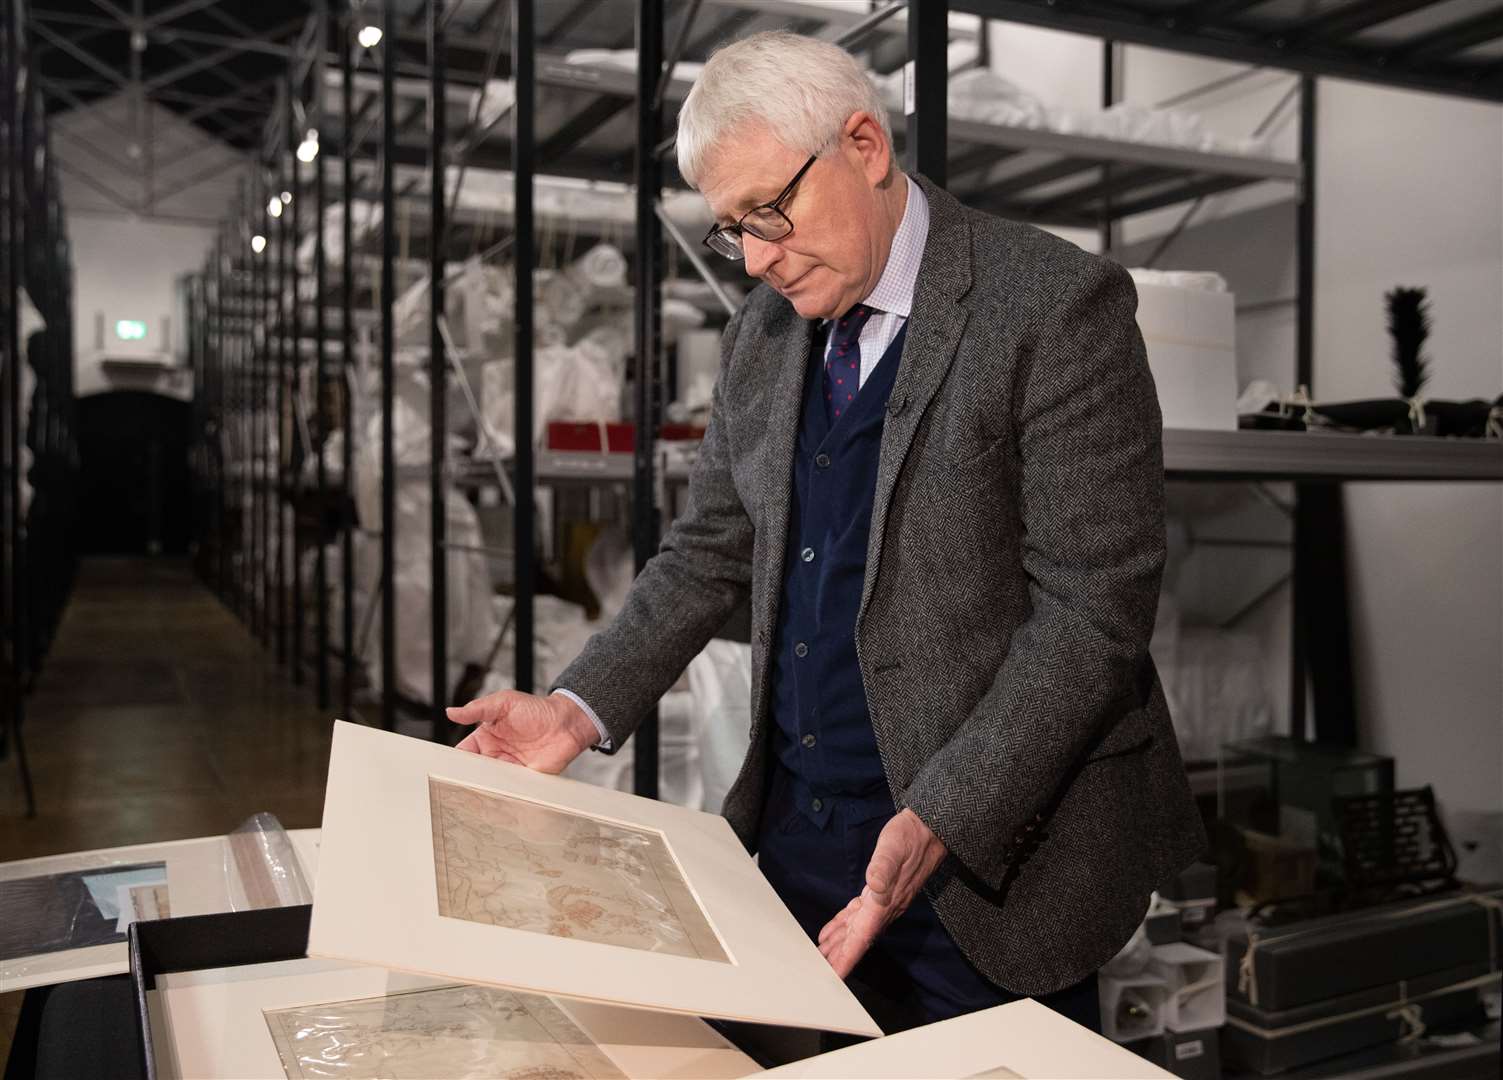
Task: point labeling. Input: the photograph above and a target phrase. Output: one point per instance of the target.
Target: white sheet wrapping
(720, 701)
(472, 622)
(982, 95)
(580, 382)
(364, 217)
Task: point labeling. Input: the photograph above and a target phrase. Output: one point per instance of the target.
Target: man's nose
(760, 254)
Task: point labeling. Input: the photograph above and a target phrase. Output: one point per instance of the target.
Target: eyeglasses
(765, 222)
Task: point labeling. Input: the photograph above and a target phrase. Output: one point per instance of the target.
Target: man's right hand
(542, 733)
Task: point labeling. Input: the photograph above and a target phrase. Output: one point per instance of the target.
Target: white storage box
(1191, 337)
(1132, 1007)
(1197, 986)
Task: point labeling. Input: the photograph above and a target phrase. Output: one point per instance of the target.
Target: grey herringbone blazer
(1012, 578)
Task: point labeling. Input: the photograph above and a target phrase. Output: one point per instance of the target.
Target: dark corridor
(134, 474)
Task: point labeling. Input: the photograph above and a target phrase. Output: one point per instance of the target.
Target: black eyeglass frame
(739, 226)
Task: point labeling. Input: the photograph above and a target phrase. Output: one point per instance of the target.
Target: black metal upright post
(1109, 73)
(295, 391)
(321, 364)
(647, 333)
(347, 367)
(523, 139)
(15, 230)
(437, 382)
(1304, 376)
(258, 339)
(927, 74)
(285, 256)
(222, 409)
(388, 370)
(267, 472)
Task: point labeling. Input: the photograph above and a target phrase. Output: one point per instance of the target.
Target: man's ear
(870, 142)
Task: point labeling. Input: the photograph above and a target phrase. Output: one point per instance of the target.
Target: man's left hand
(907, 853)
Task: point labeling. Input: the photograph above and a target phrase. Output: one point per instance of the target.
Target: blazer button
(807, 554)
(808, 741)
(822, 460)
(801, 650)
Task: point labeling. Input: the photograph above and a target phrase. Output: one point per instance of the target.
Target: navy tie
(843, 364)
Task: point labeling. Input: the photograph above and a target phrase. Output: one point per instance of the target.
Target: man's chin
(809, 307)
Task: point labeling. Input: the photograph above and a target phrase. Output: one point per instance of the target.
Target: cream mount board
(1023, 1039)
(269, 1020)
(554, 887)
(197, 884)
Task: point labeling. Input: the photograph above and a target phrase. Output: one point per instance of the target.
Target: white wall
(1410, 192)
(127, 269)
(143, 190)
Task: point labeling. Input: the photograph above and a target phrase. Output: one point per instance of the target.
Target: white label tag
(1194, 1048)
(908, 93)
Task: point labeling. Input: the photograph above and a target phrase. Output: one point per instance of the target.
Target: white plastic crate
(1196, 984)
(1132, 1007)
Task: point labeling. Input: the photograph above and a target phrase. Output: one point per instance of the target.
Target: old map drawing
(460, 1032)
(510, 862)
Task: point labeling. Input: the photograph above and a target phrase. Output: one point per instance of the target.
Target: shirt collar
(894, 290)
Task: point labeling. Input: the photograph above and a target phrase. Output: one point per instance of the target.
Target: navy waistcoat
(822, 731)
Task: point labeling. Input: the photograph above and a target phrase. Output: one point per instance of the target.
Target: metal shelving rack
(605, 122)
(1415, 44)
(38, 555)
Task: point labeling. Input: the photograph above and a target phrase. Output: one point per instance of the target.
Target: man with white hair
(934, 467)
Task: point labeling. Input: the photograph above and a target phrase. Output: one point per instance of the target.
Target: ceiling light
(369, 36)
(307, 150)
(286, 197)
(274, 207)
(258, 243)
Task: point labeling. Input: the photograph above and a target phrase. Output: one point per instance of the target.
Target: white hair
(802, 88)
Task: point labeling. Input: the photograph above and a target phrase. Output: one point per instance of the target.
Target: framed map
(66, 911)
(457, 1032)
(438, 862)
(306, 1019)
(511, 862)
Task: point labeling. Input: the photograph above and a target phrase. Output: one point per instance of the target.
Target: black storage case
(1335, 955)
(1272, 1041)
(262, 936)
(1190, 1055)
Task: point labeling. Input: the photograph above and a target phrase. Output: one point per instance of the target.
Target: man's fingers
(473, 713)
(841, 919)
(469, 742)
(881, 874)
(489, 709)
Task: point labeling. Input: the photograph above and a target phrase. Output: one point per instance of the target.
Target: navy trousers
(914, 974)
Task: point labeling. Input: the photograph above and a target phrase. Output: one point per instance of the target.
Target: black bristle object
(1409, 325)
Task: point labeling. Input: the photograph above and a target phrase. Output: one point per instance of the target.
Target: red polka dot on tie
(841, 382)
(848, 397)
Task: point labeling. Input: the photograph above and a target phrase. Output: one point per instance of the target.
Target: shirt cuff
(605, 737)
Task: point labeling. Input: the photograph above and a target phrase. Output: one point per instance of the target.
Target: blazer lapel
(935, 326)
(788, 346)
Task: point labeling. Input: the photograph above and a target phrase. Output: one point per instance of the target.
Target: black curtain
(1321, 571)
(134, 483)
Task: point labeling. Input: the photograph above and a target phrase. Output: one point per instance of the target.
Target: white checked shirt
(892, 298)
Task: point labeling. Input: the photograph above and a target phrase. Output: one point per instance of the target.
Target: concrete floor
(157, 716)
